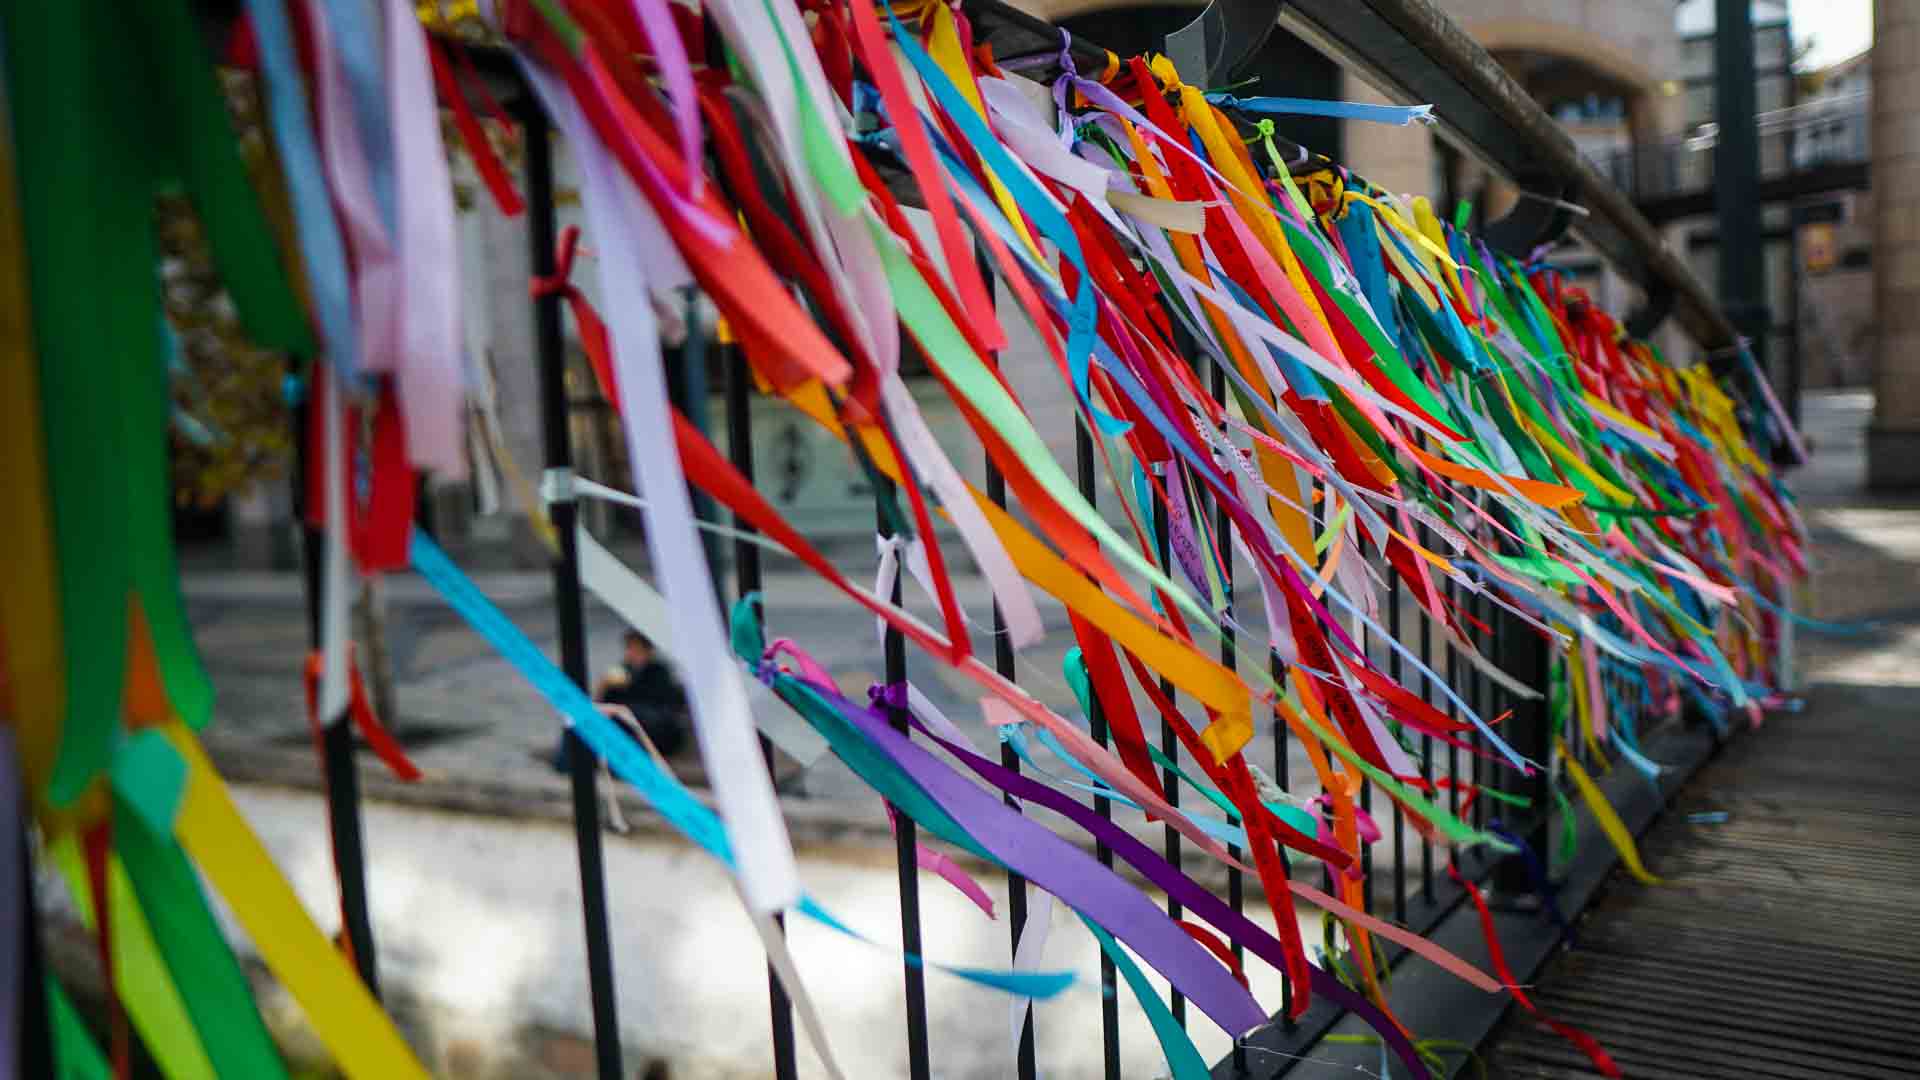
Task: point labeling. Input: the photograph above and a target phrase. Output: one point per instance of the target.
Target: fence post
(1025, 1065)
(550, 349)
(1097, 721)
(341, 771)
(905, 832)
(746, 578)
(1521, 651)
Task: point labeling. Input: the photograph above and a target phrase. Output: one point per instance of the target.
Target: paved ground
(481, 733)
(1783, 943)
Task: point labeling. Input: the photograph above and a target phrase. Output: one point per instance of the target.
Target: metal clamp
(557, 486)
(1208, 50)
(1541, 217)
(1642, 321)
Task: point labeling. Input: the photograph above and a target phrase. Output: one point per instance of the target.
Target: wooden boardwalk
(1785, 941)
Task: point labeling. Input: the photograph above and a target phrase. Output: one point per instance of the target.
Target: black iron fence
(1406, 878)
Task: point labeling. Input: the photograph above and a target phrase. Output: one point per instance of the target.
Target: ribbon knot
(888, 695)
(1066, 55)
(560, 282)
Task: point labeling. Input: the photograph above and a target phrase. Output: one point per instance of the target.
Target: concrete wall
(1631, 41)
(1893, 441)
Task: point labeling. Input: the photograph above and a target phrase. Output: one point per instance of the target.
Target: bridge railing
(1794, 140)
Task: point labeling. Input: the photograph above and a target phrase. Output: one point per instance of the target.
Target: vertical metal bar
(1185, 345)
(1394, 672)
(1427, 691)
(1096, 719)
(1223, 529)
(36, 1057)
(1170, 746)
(1478, 697)
(1523, 654)
(1366, 797)
(1451, 590)
(905, 842)
(1282, 776)
(336, 739)
(746, 571)
(349, 851)
(550, 349)
(1736, 178)
(1025, 1064)
(1326, 873)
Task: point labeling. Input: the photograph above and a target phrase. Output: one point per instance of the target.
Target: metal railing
(1405, 877)
(1404, 881)
(1798, 139)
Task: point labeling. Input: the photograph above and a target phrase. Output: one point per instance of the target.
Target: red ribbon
(379, 739)
(593, 332)
(1111, 697)
(379, 527)
(1586, 1043)
(485, 161)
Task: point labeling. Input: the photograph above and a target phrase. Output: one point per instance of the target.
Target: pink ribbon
(430, 371)
(376, 292)
(941, 864)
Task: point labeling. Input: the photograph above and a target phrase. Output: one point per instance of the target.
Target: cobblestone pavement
(482, 735)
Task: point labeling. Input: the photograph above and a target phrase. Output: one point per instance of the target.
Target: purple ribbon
(1071, 874)
(1182, 888)
(888, 696)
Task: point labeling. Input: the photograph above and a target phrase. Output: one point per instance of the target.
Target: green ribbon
(111, 103)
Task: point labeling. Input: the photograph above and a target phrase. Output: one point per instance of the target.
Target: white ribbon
(931, 463)
(644, 609)
(1026, 132)
(335, 571)
(1175, 215)
(432, 397)
(781, 960)
(768, 876)
(1028, 954)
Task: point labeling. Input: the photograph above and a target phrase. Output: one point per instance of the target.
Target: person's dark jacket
(656, 700)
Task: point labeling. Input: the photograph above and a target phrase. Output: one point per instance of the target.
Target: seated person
(646, 686)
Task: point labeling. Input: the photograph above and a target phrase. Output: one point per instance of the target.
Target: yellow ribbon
(361, 1038)
(1610, 822)
(943, 44)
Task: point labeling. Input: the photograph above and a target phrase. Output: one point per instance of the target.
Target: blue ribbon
(627, 760)
(1401, 115)
(321, 249)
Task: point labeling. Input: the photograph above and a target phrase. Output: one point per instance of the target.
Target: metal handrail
(1411, 50)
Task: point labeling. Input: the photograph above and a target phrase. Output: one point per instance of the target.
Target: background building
(1835, 231)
